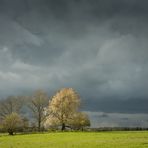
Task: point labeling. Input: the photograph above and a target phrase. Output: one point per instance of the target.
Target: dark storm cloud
(97, 47)
(122, 106)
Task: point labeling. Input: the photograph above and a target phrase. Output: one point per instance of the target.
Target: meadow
(123, 139)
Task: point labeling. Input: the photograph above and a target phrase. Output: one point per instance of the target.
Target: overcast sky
(97, 47)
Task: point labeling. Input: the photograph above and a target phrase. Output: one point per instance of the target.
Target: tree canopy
(63, 108)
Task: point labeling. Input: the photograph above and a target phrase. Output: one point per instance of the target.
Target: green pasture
(121, 139)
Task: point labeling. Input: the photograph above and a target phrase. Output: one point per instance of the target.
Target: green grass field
(77, 140)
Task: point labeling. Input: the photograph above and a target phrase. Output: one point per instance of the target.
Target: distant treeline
(117, 129)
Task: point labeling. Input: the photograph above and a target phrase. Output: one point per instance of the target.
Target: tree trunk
(39, 126)
(10, 132)
(63, 127)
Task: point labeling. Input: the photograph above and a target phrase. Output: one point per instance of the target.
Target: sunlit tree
(63, 106)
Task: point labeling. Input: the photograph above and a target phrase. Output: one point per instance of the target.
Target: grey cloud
(97, 47)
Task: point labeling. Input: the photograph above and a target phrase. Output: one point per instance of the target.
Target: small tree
(79, 121)
(38, 102)
(12, 122)
(63, 105)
